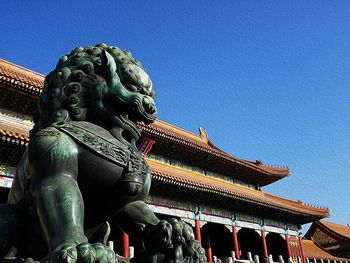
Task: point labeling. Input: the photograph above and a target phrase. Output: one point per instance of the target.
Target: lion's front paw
(83, 253)
(164, 230)
(158, 237)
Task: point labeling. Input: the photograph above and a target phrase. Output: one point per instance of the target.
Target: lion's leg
(53, 161)
(12, 220)
(60, 209)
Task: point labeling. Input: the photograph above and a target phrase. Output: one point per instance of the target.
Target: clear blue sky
(269, 80)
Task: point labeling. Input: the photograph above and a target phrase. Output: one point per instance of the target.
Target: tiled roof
(14, 130)
(191, 180)
(15, 124)
(21, 79)
(172, 133)
(313, 251)
(31, 83)
(12, 137)
(337, 228)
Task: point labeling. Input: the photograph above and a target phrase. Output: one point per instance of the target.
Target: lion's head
(100, 84)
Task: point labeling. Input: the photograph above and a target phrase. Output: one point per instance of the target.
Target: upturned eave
(30, 83)
(167, 174)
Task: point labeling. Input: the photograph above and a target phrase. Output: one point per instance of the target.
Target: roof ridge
(16, 66)
(337, 224)
(183, 130)
(297, 202)
(271, 165)
(214, 150)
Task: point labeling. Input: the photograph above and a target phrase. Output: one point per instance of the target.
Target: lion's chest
(107, 187)
(96, 174)
(110, 173)
(98, 181)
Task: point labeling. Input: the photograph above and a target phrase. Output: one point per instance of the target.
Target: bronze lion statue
(82, 168)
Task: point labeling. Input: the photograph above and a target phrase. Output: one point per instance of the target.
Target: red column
(264, 245)
(198, 231)
(125, 244)
(288, 246)
(235, 242)
(301, 250)
(209, 251)
(146, 145)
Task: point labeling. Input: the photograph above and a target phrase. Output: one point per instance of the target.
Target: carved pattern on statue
(98, 144)
(83, 168)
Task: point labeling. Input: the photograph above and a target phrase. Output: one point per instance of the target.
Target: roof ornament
(259, 162)
(203, 134)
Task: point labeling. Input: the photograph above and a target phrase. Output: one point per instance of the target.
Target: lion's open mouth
(140, 102)
(145, 110)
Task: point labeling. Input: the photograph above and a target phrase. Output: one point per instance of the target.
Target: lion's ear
(109, 67)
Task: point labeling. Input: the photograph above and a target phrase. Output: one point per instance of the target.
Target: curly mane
(76, 85)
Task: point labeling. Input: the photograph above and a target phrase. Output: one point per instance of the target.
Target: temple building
(220, 195)
(329, 237)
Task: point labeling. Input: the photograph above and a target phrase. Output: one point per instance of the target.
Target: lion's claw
(158, 237)
(84, 253)
(67, 254)
(101, 253)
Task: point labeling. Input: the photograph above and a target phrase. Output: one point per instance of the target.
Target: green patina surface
(63, 149)
(104, 92)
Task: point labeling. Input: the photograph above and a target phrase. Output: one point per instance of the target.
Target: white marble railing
(256, 259)
(321, 260)
(251, 259)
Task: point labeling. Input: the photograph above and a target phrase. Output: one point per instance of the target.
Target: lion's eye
(144, 91)
(131, 87)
